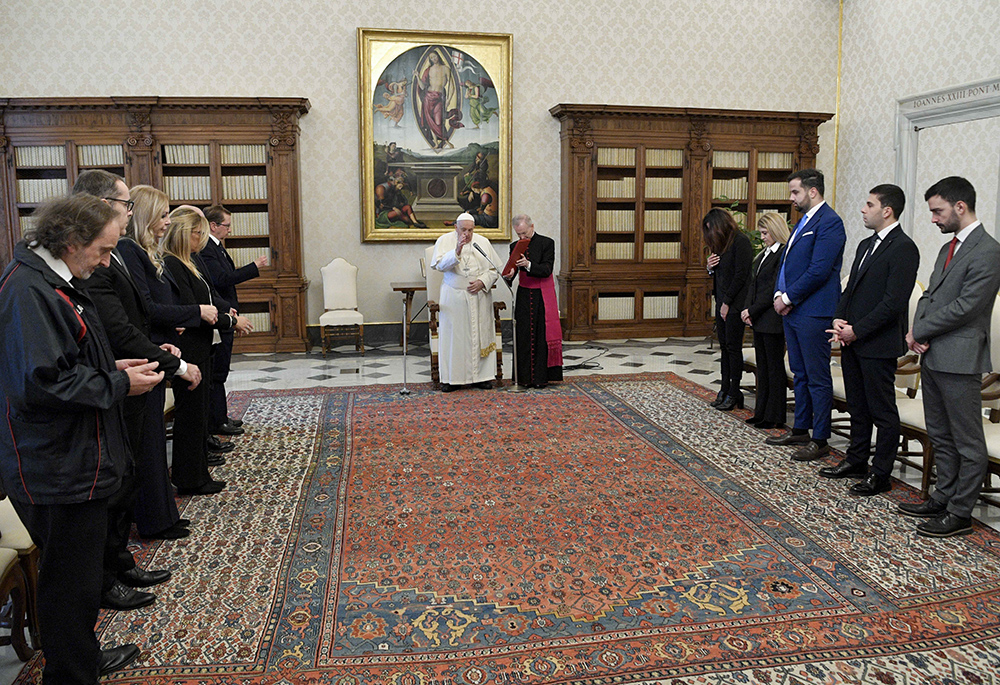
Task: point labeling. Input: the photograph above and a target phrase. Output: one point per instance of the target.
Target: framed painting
(435, 132)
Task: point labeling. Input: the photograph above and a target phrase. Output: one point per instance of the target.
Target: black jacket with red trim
(62, 436)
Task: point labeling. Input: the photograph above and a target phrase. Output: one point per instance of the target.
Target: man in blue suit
(807, 293)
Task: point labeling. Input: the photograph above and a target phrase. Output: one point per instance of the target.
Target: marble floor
(695, 359)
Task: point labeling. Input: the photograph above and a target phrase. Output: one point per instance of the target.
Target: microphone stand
(404, 391)
(516, 387)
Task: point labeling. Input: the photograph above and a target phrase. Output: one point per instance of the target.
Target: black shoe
(221, 446)
(216, 459)
(719, 399)
(116, 658)
(844, 469)
(174, 532)
(945, 526)
(234, 422)
(923, 510)
(872, 485)
(209, 488)
(227, 429)
(753, 420)
(183, 522)
(730, 403)
(123, 598)
(484, 385)
(811, 451)
(137, 577)
(448, 387)
(788, 439)
(768, 425)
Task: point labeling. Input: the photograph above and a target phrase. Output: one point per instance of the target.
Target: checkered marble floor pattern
(696, 359)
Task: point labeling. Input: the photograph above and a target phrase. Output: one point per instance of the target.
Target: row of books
(100, 155)
(660, 306)
(261, 321)
(616, 156)
(615, 307)
(668, 250)
(615, 220)
(198, 188)
(775, 160)
(40, 155)
(733, 160)
(616, 188)
(614, 250)
(772, 190)
(732, 188)
(185, 154)
(663, 187)
(244, 187)
(244, 255)
(27, 222)
(663, 220)
(783, 215)
(249, 223)
(243, 154)
(39, 189)
(657, 157)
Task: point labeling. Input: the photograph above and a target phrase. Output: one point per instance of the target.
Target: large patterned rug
(608, 530)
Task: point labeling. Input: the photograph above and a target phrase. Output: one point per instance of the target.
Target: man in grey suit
(951, 329)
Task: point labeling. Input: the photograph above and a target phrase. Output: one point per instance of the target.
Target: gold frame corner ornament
(377, 48)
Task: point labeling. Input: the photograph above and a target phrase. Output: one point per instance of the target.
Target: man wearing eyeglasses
(225, 277)
(125, 317)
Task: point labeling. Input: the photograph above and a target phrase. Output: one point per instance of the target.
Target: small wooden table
(407, 288)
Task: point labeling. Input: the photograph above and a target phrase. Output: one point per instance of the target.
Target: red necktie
(951, 251)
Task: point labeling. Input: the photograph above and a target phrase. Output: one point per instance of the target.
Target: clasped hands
(842, 332)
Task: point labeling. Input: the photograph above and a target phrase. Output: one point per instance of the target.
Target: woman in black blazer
(768, 329)
(185, 237)
(730, 265)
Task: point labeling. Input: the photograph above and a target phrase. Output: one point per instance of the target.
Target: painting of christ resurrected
(435, 133)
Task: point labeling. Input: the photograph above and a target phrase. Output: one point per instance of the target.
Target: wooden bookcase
(240, 152)
(636, 182)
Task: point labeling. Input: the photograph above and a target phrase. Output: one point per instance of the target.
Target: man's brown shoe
(811, 452)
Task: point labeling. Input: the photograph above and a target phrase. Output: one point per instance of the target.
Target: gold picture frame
(435, 132)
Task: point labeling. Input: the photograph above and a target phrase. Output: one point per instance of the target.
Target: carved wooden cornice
(299, 106)
(565, 111)
(699, 136)
(580, 135)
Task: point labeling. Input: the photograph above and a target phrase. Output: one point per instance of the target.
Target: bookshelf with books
(232, 151)
(636, 182)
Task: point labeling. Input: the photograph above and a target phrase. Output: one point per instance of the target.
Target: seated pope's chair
(340, 300)
(434, 279)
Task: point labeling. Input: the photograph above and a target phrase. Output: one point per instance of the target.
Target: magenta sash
(553, 331)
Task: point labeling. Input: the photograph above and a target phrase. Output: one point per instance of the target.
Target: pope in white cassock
(466, 335)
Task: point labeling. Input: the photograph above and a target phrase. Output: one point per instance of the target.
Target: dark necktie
(871, 248)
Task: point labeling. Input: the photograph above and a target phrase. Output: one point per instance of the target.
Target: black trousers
(222, 357)
(730, 332)
(155, 508)
(772, 389)
(871, 400)
(190, 456)
(121, 505)
(71, 540)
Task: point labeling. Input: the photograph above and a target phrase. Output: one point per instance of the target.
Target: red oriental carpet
(607, 530)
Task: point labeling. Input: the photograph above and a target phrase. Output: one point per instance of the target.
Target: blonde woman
(768, 329)
(185, 236)
(156, 514)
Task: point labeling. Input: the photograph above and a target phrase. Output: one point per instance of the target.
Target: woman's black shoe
(754, 421)
(719, 399)
(731, 403)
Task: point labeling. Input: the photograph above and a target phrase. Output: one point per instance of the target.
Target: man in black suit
(871, 325)
(225, 277)
(123, 313)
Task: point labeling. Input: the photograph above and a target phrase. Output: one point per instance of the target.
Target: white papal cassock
(466, 335)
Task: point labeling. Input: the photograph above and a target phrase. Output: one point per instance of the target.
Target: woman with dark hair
(768, 330)
(729, 263)
(184, 239)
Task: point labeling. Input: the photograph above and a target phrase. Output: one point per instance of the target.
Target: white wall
(766, 54)
(893, 50)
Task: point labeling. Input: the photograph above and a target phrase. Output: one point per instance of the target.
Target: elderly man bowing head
(466, 337)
